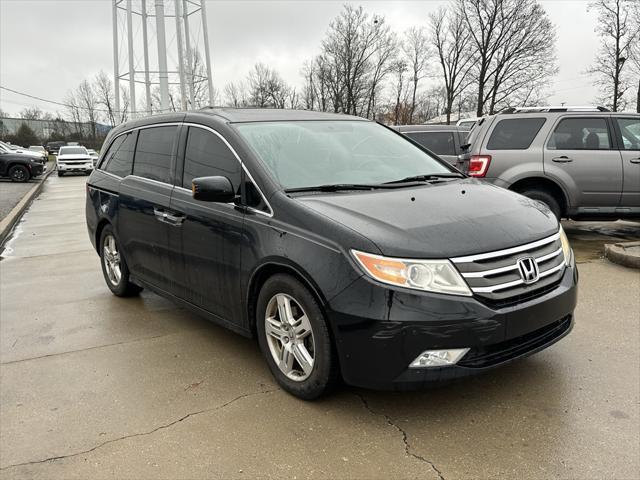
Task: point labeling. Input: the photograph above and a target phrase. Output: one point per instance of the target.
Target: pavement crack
(141, 434)
(405, 438)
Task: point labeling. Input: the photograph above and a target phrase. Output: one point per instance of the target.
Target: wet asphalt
(94, 386)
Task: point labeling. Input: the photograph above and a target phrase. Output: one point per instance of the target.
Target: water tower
(161, 50)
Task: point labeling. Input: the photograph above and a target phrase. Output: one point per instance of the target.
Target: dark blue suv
(347, 249)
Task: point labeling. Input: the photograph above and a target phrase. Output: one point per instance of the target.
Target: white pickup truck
(74, 159)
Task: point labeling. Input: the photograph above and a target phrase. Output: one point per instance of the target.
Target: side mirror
(212, 189)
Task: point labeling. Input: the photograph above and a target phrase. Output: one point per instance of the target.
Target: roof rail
(552, 108)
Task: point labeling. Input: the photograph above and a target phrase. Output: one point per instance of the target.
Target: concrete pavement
(94, 386)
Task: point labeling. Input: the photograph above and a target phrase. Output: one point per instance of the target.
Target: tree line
(474, 57)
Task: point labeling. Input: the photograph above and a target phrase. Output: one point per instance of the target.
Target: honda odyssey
(346, 249)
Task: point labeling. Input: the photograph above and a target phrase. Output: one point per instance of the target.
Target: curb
(617, 253)
(14, 216)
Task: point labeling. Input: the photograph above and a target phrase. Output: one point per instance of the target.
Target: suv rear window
(440, 143)
(514, 133)
(154, 152)
(580, 134)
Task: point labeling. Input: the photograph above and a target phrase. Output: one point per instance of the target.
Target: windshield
(73, 151)
(309, 153)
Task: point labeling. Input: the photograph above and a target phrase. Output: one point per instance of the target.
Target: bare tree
(88, 102)
(452, 42)
(352, 59)
(635, 69)
(513, 43)
(416, 50)
(235, 94)
(31, 113)
(619, 28)
(267, 88)
(399, 69)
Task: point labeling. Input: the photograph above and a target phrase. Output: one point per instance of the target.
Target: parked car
(73, 159)
(467, 123)
(344, 247)
(54, 147)
(582, 162)
(94, 156)
(446, 141)
(7, 147)
(19, 167)
(40, 150)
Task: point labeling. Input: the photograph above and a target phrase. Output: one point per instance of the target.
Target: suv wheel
(114, 267)
(60, 173)
(547, 198)
(19, 173)
(294, 338)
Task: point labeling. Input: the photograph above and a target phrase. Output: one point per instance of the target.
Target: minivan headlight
(566, 248)
(438, 276)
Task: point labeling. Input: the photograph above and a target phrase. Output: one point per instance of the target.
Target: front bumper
(379, 331)
(75, 167)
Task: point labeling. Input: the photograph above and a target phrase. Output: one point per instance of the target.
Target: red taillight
(478, 165)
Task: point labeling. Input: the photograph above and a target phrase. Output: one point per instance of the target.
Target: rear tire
(299, 351)
(19, 173)
(547, 198)
(114, 266)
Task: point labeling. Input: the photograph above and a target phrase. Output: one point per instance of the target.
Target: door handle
(162, 216)
(562, 159)
(635, 160)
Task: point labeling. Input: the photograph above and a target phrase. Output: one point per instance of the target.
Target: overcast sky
(48, 46)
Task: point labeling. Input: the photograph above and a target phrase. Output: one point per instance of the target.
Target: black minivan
(347, 249)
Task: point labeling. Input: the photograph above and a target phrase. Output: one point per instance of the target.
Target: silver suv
(583, 162)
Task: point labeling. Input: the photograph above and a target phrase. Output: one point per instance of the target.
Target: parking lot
(94, 386)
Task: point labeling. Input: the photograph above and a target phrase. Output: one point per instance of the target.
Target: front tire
(114, 266)
(294, 338)
(60, 173)
(19, 173)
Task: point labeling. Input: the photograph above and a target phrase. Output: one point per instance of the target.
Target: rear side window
(440, 143)
(514, 133)
(119, 158)
(630, 132)
(208, 156)
(580, 134)
(154, 152)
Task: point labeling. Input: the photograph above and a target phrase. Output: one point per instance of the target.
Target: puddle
(589, 238)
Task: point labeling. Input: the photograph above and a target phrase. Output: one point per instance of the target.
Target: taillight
(478, 165)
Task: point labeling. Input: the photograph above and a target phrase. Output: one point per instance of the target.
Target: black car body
(217, 258)
(19, 167)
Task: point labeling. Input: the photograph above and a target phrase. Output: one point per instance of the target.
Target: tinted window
(441, 143)
(630, 131)
(119, 158)
(515, 133)
(154, 152)
(208, 156)
(580, 134)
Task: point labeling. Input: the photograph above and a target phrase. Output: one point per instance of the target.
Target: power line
(74, 107)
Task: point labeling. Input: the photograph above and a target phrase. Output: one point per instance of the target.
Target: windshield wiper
(425, 178)
(332, 187)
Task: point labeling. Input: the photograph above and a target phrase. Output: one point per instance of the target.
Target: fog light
(438, 358)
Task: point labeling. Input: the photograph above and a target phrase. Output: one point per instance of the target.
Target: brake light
(478, 165)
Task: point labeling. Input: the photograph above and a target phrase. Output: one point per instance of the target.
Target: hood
(451, 219)
(77, 156)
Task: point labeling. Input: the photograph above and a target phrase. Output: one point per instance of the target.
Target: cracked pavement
(93, 386)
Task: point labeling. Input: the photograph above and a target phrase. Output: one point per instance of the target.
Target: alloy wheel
(111, 259)
(290, 337)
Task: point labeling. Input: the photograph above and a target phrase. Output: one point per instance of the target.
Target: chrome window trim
(507, 251)
(204, 127)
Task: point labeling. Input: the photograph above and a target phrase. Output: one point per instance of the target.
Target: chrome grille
(495, 276)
